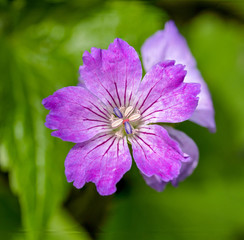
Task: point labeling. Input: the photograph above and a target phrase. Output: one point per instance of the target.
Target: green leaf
(63, 227)
(33, 66)
(115, 20)
(9, 210)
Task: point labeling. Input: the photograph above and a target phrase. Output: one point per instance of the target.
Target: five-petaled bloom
(113, 107)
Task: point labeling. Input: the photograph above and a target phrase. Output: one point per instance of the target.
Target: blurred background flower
(41, 44)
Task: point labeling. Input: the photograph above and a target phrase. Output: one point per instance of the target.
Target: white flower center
(124, 116)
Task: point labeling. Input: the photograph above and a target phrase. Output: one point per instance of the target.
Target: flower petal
(163, 97)
(76, 114)
(103, 160)
(155, 153)
(155, 182)
(170, 44)
(113, 74)
(189, 147)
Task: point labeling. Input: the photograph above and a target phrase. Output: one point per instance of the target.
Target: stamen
(122, 110)
(118, 113)
(134, 131)
(128, 111)
(111, 118)
(119, 134)
(124, 116)
(128, 128)
(134, 117)
(117, 123)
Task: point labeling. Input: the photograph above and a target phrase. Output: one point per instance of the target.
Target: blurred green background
(41, 44)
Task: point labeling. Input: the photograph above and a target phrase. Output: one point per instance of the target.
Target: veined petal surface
(164, 97)
(155, 153)
(76, 114)
(189, 147)
(103, 160)
(170, 44)
(114, 74)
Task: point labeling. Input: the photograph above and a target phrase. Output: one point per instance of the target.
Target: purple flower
(113, 107)
(170, 44)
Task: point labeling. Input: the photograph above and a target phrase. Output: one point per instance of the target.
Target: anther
(118, 113)
(117, 123)
(128, 111)
(134, 117)
(128, 128)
